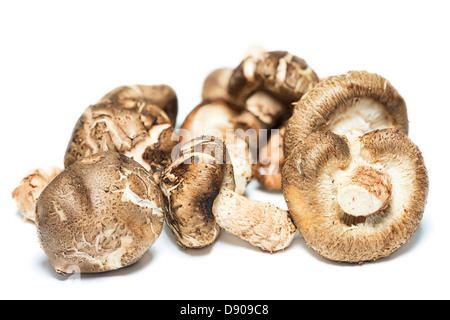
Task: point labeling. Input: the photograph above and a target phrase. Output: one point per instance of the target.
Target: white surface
(58, 57)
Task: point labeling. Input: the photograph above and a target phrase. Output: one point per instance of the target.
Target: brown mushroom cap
(318, 168)
(29, 189)
(162, 96)
(284, 76)
(354, 103)
(101, 213)
(191, 184)
(112, 126)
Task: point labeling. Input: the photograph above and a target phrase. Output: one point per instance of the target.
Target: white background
(58, 57)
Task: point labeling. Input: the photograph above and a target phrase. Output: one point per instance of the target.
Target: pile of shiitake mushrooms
(354, 183)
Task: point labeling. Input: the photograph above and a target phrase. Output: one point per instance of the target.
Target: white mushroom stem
(262, 224)
(367, 192)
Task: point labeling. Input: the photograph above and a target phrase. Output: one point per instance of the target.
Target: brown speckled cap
(162, 96)
(101, 213)
(283, 75)
(191, 184)
(133, 128)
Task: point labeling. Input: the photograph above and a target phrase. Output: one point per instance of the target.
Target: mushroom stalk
(262, 224)
(367, 192)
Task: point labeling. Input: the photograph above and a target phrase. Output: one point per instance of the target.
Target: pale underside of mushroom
(30, 188)
(351, 104)
(356, 201)
(357, 116)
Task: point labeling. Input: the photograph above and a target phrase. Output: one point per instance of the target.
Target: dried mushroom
(135, 129)
(199, 187)
(162, 96)
(358, 201)
(101, 213)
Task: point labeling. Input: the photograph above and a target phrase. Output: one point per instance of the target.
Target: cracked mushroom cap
(282, 75)
(191, 184)
(101, 213)
(112, 126)
(162, 96)
(351, 104)
(356, 202)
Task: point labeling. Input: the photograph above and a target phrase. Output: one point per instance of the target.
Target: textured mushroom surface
(29, 189)
(101, 213)
(162, 96)
(133, 128)
(351, 104)
(191, 184)
(201, 194)
(383, 169)
(284, 76)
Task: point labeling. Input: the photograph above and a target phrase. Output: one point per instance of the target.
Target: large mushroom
(199, 187)
(358, 201)
(101, 213)
(136, 121)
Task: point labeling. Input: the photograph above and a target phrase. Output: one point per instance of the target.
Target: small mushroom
(358, 201)
(271, 160)
(199, 189)
(351, 104)
(284, 76)
(215, 85)
(133, 128)
(30, 188)
(216, 118)
(162, 96)
(266, 84)
(101, 213)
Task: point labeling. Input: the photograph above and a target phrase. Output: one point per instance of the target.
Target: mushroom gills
(358, 116)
